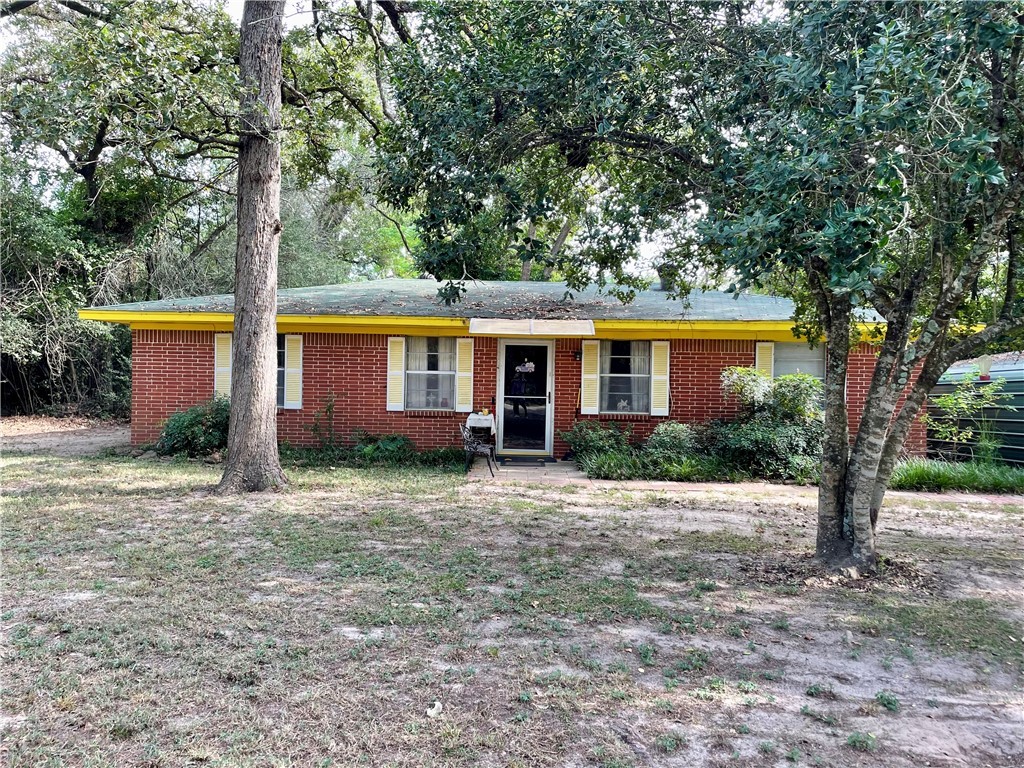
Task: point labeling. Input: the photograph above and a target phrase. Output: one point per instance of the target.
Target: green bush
(197, 431)
(670, 442)
(981, 477)
(763, 446)
(382, 449)
(777, 436)
(750, 386)
(797, 397)
(590, 437)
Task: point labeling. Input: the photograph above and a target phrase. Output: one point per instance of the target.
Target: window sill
(619, 416)
(429, 413)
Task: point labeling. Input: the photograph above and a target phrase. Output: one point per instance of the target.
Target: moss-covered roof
(515, 300)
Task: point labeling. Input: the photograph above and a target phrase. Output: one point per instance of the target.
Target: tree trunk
(556, 248)
(253, 463)
(833, 543)
(527, 268)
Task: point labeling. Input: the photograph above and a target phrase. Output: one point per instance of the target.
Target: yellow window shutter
(659, 378)
(396, 373)
(464, 375)
(222, 364)
(764, 358)
(293, 371)
(590, 381)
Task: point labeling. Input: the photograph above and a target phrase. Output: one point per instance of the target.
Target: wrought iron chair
(474, 446)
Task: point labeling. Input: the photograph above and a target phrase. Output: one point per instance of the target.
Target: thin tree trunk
(253, 463)
(832, 542)
(556, 249)
(888, 382)
(901, 426)
(527, 268)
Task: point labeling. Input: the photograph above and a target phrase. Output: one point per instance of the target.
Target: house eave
(753, 330)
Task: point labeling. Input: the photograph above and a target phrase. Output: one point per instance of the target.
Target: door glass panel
(525, 407)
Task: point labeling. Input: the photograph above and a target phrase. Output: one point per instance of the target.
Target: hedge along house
(392, 359)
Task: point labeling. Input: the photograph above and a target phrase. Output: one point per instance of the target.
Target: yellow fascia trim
(753, 330)
(389, 324)
(224, 321)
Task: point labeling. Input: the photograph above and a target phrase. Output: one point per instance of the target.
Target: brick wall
(695, 387)
(353, 368)
(858, 381)
(172, 370)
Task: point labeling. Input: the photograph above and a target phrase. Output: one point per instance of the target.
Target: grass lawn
(149, 623)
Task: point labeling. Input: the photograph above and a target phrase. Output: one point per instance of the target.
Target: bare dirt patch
(147, 622)
(67, 436)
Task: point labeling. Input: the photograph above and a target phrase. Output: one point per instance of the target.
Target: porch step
(535, 460)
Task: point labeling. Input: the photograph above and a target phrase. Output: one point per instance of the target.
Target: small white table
(481, 421)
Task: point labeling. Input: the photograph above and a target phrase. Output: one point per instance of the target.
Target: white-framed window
(798, 357)
(625, 377)
(430, 373)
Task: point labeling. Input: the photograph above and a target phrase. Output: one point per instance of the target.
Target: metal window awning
(493, 326)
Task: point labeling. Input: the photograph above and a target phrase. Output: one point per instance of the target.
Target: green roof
(492, 299)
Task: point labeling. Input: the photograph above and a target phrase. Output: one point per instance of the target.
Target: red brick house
(394, 360)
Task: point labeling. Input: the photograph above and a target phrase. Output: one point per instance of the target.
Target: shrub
(591, 437)
(750, 386)
(764, 446)
(981, 477)
(794, 397)
(670, 442)
(797, 397)
(382, 449)
(197, 431)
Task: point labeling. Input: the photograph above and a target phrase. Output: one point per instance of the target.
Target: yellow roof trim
(754, 330)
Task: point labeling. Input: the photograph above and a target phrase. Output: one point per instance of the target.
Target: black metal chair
(474, 446)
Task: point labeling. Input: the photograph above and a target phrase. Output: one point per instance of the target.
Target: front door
(525, 393)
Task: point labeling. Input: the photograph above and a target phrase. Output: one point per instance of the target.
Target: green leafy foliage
(618, 464)
(196, 431)
(382, 449)
(116, 183)
(862, 742)
(366, 449)
(764, 446)
(888, 700)
(958, 416)
(671, 442)
(590, 437)
(777, 436)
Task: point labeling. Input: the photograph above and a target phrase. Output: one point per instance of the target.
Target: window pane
(280, 387)
(798, 357)
(625, 394)
(430, 391)
(430, 354)
(625, 377)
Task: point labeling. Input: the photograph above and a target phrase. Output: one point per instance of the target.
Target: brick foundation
(173, 370)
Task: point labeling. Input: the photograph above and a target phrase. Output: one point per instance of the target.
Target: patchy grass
(148, 622)
(969, 625)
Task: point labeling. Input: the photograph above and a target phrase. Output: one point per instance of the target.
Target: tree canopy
(865, 158)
